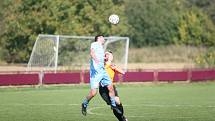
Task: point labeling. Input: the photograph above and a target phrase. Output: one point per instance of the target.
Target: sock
(119, 116)
(85, 102)
(121, 108)
(113, 102)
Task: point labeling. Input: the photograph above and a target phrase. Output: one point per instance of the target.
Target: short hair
(97, 36)
(110, 51)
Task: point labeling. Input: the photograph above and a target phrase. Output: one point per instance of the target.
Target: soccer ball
(114, 19)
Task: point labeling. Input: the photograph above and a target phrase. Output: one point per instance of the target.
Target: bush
(206, 60)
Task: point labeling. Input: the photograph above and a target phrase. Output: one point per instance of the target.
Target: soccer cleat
(124, 118)
(84, 109)
(116, 109)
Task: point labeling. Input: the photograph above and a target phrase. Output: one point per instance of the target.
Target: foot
(116, 109)
(84, 109)
(124, 118)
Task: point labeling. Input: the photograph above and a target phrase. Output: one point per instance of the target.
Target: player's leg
(86, 101)
(113, 102)
(91, 94)
(111, 94)
(94, 84)
(106, 81)
(108, 93)
(116, 95)
(104, 93)
(120, 116)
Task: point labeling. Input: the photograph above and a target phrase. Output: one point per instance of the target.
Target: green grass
(156, 102)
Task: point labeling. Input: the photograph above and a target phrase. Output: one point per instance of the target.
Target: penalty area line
(42, 104)
(92, 111)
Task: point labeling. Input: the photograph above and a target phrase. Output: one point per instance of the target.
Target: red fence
(173, 76)
(76, 77)
(18, 79)
(138, 76)
(198, 75)
(61, 78)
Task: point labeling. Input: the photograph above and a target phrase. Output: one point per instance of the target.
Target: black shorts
(104, 92)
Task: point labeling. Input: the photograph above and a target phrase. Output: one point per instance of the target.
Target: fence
(35, 78)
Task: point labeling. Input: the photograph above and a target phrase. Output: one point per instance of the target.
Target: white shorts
(99, 76)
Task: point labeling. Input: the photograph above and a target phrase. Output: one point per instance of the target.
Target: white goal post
(60, 52)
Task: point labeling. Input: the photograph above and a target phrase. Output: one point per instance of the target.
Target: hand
(113, 67)
(118, 70)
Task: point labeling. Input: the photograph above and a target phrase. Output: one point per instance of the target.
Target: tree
(154, 22)
(196, 28)
(208, 6)
(25, 19)
(162, 22)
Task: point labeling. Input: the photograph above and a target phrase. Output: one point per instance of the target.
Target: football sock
(113, 102)
(85, 102)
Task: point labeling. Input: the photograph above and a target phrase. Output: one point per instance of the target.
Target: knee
(117, 100)
(110, 88)
(93, 92)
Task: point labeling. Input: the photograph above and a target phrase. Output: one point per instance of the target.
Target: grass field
(153, 102)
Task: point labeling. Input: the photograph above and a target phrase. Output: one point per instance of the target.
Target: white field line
(35, 104)
(91, 111)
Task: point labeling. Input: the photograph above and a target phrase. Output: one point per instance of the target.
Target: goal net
(62, 53)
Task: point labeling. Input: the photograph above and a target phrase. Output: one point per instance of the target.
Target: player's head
(108, 56)
(100, 38)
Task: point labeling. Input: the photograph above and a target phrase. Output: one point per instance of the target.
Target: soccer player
(111, 70)
(98, 75)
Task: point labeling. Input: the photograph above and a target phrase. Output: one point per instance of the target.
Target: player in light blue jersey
(98, 75)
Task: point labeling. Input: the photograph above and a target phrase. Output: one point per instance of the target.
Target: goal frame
(109, 40)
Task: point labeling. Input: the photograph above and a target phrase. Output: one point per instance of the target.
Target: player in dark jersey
(103, 90)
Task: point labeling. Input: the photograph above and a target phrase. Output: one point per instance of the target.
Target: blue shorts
(99, 76)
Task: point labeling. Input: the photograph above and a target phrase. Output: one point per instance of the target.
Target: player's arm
(117, 69)
(93, 55)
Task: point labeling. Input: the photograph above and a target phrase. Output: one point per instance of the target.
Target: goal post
(60, 52)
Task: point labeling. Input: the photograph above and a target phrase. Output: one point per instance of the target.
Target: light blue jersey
(99, 52)
(97, 71)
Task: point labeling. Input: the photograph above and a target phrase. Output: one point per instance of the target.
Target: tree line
(146, 22)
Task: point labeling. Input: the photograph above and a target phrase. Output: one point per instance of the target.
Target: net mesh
(53, 52)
